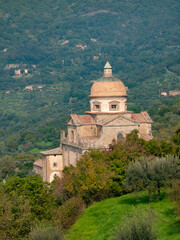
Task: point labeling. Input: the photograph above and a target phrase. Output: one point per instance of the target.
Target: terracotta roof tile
(147, 117)
(38, 162)
(55, 151)
(83, 119)
(108, 89)
(138, 117)
(142, 117)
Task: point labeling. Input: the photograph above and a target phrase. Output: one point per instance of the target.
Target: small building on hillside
(17, 72)
(164, 94)
(52, 164)
(174, 92)
(107, 120)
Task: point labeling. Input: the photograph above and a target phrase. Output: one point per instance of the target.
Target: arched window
(54, 175)
(72, 136)
(119, 136)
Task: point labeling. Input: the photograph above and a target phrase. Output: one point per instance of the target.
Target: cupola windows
(113, 106)
(97, 106)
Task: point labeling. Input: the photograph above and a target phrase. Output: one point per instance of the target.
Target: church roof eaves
(55, 151)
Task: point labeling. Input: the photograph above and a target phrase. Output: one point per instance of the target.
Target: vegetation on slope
(140, 39)
(100, 220)
(98, 175)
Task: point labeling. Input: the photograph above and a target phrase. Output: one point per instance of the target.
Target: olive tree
(150, 174)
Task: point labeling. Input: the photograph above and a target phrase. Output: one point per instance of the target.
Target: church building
(107, 120)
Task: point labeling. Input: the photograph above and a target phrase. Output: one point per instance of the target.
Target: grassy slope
(98, 221)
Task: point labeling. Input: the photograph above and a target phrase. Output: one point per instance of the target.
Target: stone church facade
(108, 119)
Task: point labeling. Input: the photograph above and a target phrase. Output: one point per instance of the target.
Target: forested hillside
(61, 46)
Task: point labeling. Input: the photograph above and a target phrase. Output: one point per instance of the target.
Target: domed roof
(108, 89)
(108, 86)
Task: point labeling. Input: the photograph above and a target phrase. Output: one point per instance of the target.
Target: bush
(68, 213)
(138, 226)
(44, 232)
(15, 216)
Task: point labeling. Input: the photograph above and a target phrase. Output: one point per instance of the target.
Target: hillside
(99, 220)
(61, 46)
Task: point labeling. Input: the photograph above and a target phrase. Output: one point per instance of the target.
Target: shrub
(138, 226)
(15, 216)
(44, 232)
(68, 213)
(39, 194)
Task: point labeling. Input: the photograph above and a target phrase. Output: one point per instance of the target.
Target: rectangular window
(113, 106)
(55, 164)
(97, 106)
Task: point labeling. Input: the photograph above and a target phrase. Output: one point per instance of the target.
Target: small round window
(119, 136)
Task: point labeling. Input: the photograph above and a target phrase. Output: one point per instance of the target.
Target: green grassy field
(99, 221)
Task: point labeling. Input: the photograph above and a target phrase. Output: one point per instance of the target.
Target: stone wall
(145, 129)
(111, 132)
(87, 131)
(38, 170)
(71, 154)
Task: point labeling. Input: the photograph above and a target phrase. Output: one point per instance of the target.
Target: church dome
(108, 89)
(108, 86)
